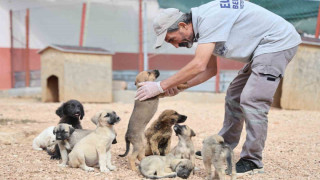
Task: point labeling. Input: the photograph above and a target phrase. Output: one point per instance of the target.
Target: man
(241, 31)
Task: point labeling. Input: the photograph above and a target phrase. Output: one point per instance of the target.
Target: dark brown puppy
(70, 112)
(159, 134)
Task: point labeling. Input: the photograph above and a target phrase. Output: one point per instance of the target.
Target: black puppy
(70, 112)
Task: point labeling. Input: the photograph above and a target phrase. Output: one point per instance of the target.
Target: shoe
(244, 167)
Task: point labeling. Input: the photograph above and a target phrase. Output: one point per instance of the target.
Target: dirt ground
(292, 148)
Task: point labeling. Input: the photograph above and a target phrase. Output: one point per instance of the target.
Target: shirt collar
(194, 12)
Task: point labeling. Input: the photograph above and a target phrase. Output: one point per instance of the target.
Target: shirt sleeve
(217, 26)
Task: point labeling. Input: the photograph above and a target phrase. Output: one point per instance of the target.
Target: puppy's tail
(173, 175)
(127, 148)
(229, 156)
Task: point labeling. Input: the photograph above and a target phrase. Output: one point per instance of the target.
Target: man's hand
(148, 90)
(172, 91)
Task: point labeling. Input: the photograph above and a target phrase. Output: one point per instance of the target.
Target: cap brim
(160, 39)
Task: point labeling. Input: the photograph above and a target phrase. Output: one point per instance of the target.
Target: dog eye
(107, 115)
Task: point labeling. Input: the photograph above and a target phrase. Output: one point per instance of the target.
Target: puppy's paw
(63, 165)
(55, 157)
(112, 168)
(105, 170)
(89, 169)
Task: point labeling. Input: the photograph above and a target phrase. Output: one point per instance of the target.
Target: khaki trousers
(248, 100)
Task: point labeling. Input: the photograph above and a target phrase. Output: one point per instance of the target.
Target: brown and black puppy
(70, 112)
(142, 113)
(159, 134)
(185, 148)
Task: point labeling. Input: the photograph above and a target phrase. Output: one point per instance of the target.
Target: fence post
(83, 17)
(27, 68)
(11, 51)
(140, 37)
(318, 23)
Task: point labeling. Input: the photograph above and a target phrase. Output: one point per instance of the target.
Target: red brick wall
(5, 69)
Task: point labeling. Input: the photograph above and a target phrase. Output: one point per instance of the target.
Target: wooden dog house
(73, 72)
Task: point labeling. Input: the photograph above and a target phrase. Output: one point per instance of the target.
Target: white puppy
(45, 140)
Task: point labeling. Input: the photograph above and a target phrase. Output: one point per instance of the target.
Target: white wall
(4, 27)
(111, 24)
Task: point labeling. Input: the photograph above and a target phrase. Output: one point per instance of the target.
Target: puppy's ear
(71, 129)
(59, 111)
(158, 126)
(95, 118)
(54, 131)
(192, 133)
(81, 111)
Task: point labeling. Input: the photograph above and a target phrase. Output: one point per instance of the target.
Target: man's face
(183, 37)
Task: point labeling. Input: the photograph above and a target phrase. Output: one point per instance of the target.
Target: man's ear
(182, 25)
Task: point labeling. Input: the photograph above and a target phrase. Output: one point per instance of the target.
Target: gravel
(292, 148)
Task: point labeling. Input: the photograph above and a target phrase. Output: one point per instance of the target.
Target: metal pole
(27, 70)
(145, 42)
(318, 24)
(86, 22)
(83, 17)
(140, 37)
(11, 50)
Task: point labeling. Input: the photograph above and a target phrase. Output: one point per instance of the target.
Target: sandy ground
(292, 149)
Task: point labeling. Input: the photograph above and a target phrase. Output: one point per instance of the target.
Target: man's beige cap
(163, 21)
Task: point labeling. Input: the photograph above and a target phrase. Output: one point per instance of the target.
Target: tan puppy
(185, 148)
(216, 152)
(142, 113)
(67, 137)
(159, 134)
(156, 167)
(95, 148)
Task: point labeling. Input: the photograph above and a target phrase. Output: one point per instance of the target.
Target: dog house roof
(77, 49)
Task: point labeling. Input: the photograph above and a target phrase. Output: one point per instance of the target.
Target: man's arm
(210, 71)
(197, 66)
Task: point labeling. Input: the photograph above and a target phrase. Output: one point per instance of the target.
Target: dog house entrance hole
(52, 89)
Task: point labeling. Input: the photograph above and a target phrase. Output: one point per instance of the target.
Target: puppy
(95, 148)
(156, 167)
(185, 148)
(216, 152)
(142, 113)
(45, 140)
(159, 134)
(70, 112)
(67, 137)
